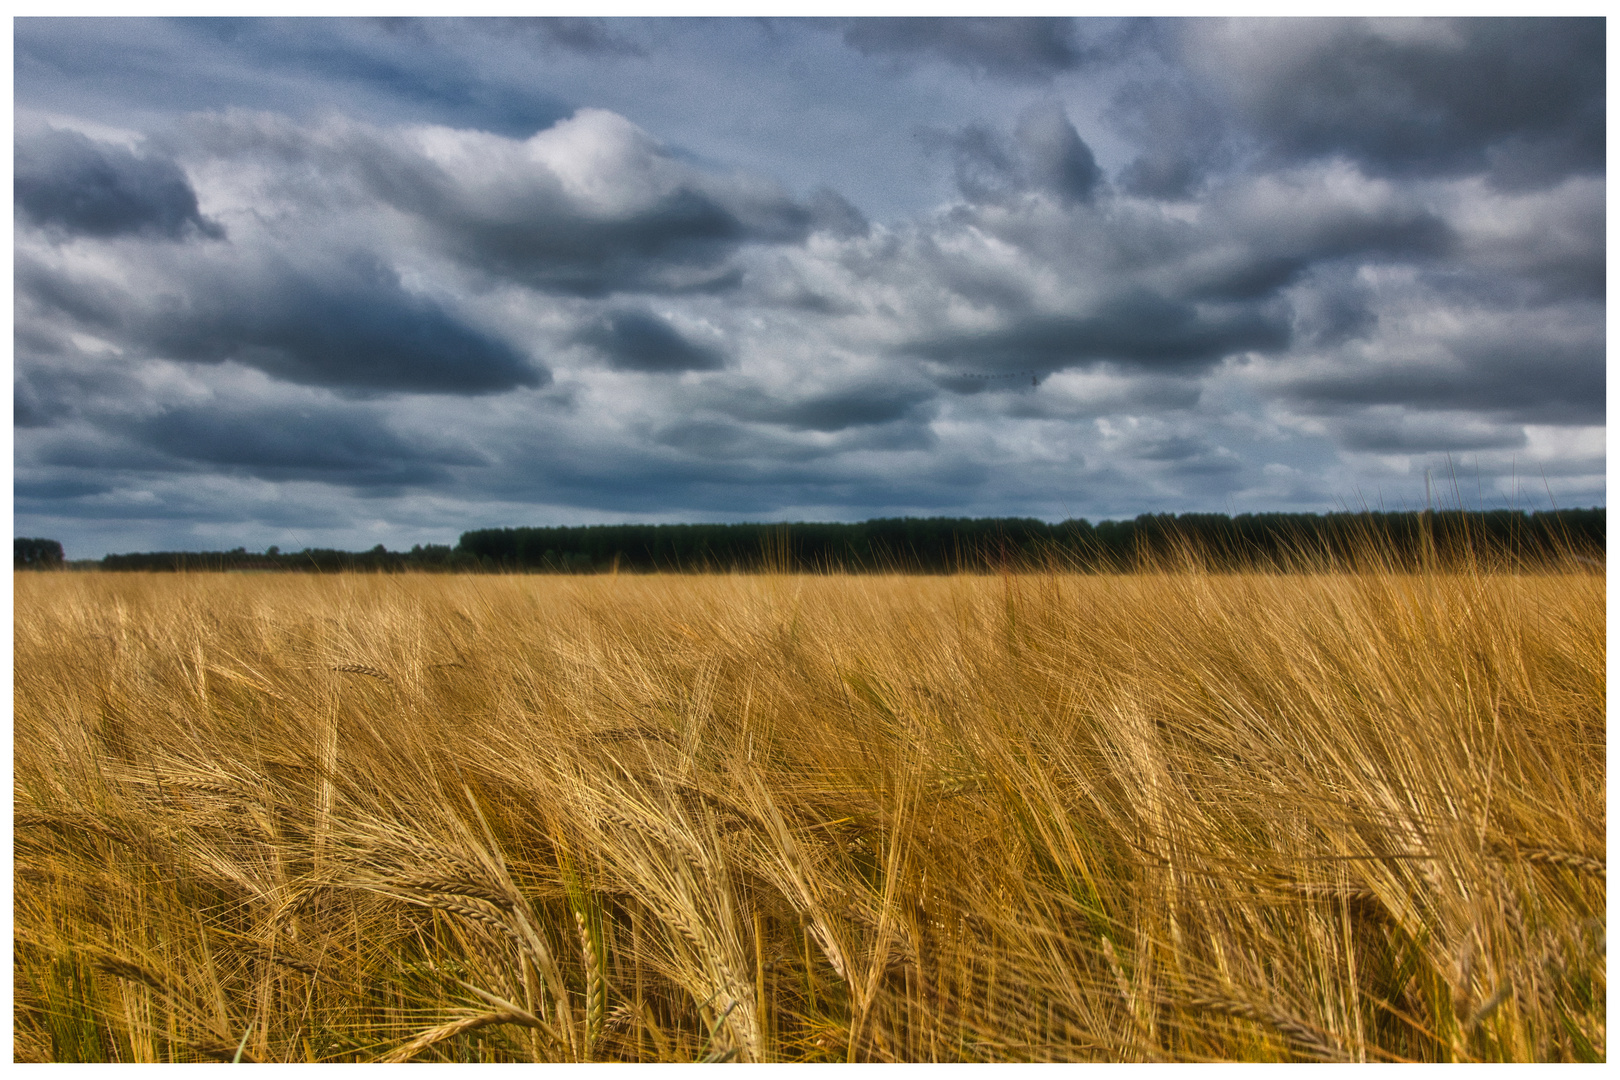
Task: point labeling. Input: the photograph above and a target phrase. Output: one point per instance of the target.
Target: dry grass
(1034, 817)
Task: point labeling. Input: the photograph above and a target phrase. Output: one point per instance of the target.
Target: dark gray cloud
(68, 182)
(835, 412)
(1399, 431)
(51, 490)
(680, 244)
(1139, 329)
(425, 69)
(987, 169)
(1171, 448)
(710, 470)
(1528, 249)
(1542, 377)
(1056, 158)
(589, 207)
(1012, 48)
(634, 339)
(33, 405)
(1213, 474)
(54, 301)
(831, 213)
(1181, 131)
(1522, 100)
(864, 406)
(1258, 265)
(1069, 399)
(348, 325)
(327, 442)
(53, 380)
(711, 439)
(592, 37)
(1044, 155)
(1339, 309)
(1291, 240)
(95, 448)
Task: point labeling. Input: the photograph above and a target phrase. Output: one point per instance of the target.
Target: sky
(335, 283)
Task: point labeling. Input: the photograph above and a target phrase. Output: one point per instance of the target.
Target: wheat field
(1169, 815)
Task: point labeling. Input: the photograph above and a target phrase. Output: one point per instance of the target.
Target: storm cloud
(1521, 102)
(347, 325)
(856, 407)
(637, 340)
(1045, 154)
(308, 442)
(66, 181)
(342, 282)
(1139, 329)
(589, 206)
(1016, 48)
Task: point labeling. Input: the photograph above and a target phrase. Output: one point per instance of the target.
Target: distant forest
(936, 545)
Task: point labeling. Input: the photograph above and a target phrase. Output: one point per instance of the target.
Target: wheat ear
(1307, 1037)
(366, 669)
(451, 1030)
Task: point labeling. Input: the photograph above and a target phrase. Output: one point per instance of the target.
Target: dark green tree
(36, 554)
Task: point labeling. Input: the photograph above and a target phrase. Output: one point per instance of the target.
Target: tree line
(940, 545)
(947, 545)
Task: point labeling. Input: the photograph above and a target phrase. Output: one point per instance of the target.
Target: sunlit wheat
(1170, 815)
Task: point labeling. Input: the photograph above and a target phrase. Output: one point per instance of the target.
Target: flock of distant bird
(1033, 376)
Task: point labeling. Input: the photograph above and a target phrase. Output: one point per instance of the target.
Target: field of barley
(1166, 815)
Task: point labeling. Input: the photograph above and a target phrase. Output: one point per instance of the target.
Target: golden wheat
(1170, 815)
